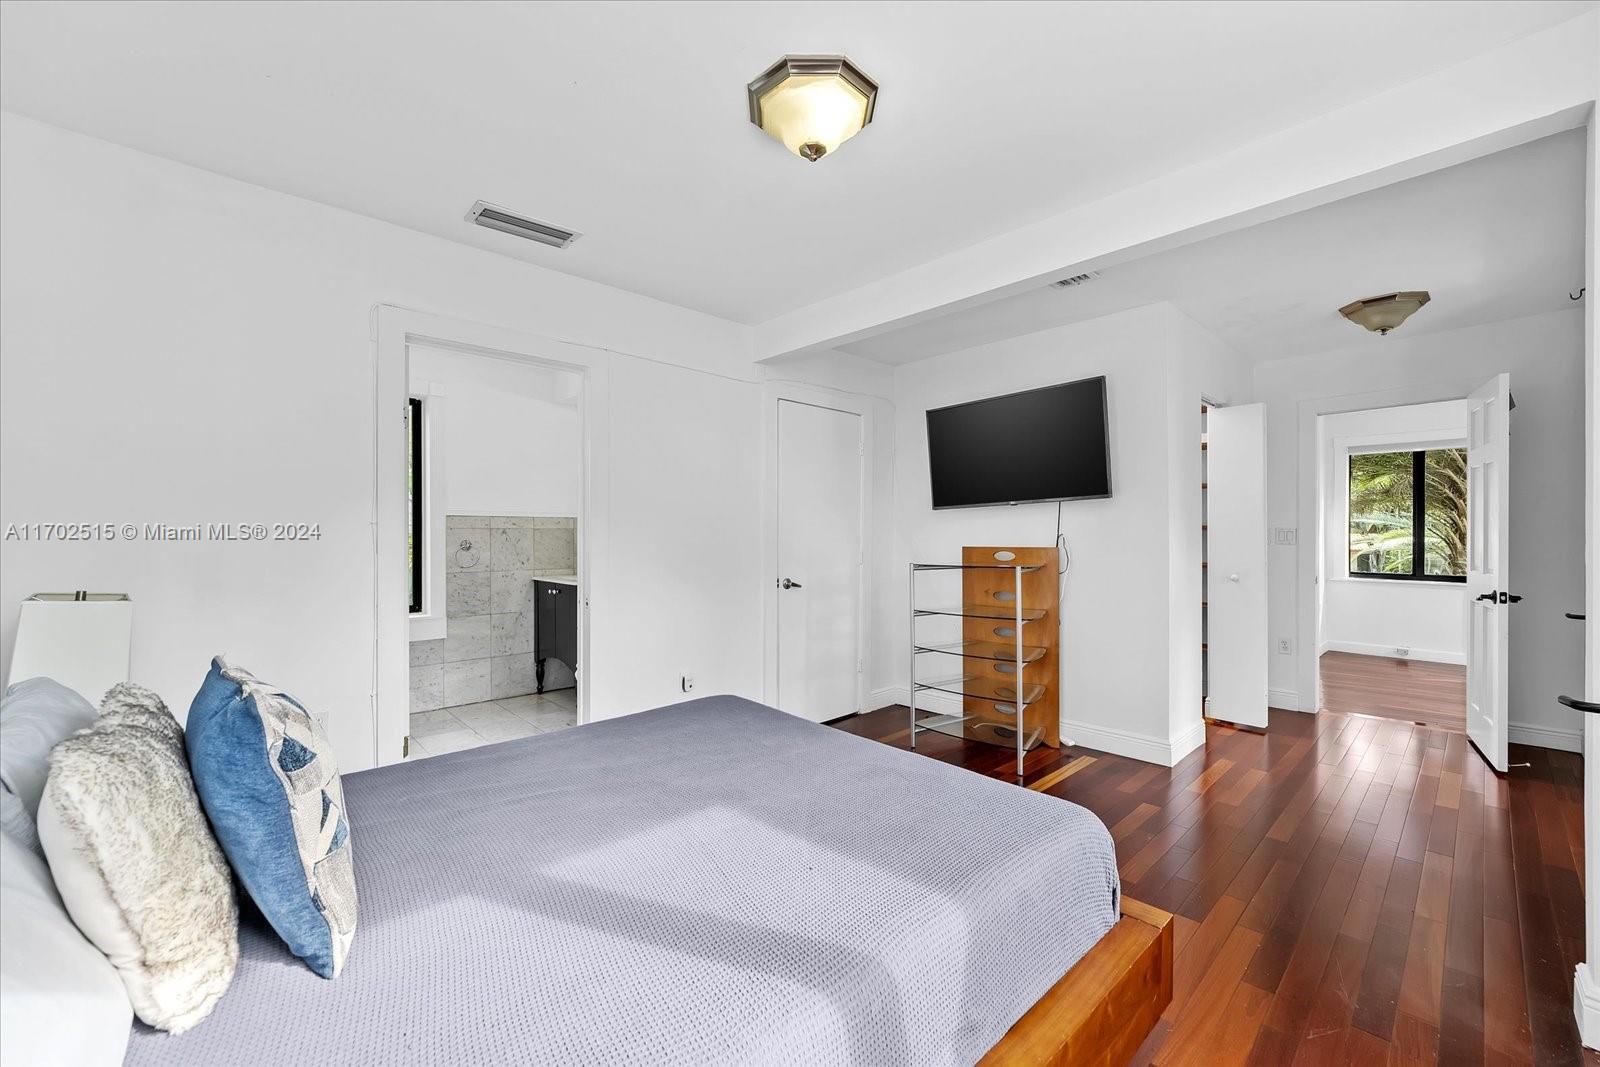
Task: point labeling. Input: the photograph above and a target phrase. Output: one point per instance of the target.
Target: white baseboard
(1137, 746)
(944, 703)
(927, 700)
(1287, 699)
(1144, 747)
(1187, 742)
(889, 694)
(1545, 737)
(1586, 1005)
(1427, 655)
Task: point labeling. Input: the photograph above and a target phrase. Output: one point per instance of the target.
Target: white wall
(510, 435)
(1544, 356)
(1374, 616)
(1130, 632)
(180, 347)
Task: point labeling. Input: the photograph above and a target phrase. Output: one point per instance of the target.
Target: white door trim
(1586, 987)
(394, 329)
(773, 393)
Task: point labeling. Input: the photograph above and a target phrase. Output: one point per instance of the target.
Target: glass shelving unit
(997, 650)
(985, 611)
(1003, 700)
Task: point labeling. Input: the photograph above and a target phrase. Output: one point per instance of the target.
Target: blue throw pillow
(267, 779)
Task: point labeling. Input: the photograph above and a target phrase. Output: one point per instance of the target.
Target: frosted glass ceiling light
(1383, 313)
(812, 104)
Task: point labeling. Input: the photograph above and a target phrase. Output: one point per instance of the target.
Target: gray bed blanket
(712, 882)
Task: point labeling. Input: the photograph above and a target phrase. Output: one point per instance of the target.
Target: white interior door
(819, 560)
(1236, 582)
(1488, 602)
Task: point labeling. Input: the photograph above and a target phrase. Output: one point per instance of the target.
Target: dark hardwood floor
(1413, 690)
(1346, 889)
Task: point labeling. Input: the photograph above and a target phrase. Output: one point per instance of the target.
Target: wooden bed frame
(1103, 1009)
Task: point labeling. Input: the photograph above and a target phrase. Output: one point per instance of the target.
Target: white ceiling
(627, 121)
(1494, 238)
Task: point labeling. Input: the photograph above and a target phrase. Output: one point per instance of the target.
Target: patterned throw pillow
(267, 777)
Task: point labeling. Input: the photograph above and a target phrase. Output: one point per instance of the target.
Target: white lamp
(82, 640)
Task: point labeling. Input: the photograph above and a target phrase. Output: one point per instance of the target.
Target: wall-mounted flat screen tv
(1042, 445)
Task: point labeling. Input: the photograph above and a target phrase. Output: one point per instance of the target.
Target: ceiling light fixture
(1383, 313)
(812, 104)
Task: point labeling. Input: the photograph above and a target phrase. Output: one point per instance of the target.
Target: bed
(711, 882)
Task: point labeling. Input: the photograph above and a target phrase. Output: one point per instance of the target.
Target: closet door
(819, 560)
(1237, 583)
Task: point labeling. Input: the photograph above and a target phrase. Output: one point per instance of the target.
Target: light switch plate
(1283, 535)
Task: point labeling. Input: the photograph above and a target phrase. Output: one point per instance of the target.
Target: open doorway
(495, 483)
(1392, 619)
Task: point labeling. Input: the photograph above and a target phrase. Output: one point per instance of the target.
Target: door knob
(1233, 577)
(789, 583)
(1491, 596)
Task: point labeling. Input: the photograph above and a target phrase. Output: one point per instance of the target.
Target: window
(416, 557)
(1408, 515)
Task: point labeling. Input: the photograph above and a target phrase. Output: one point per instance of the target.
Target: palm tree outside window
(1408, 515)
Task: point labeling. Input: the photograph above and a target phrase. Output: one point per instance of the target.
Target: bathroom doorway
(494, 462)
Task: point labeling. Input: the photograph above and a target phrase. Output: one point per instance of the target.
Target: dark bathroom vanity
(555, 624)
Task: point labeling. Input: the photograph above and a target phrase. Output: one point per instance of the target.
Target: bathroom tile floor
(433, 733)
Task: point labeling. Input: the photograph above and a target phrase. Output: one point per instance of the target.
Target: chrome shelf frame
(1001, 692)
(999, 651)
(1023, 568)
(993, 612)
(1020, 655)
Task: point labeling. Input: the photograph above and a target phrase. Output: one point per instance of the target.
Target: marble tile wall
(487, 651)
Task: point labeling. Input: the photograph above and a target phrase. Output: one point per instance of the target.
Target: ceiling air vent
(498, 218)
(1076, 279)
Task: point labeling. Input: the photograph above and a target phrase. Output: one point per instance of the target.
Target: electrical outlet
(1285, 647)
(688, 683)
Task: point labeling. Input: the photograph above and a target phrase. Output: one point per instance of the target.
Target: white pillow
(34, 715)
(135, 861)
(61, 1001)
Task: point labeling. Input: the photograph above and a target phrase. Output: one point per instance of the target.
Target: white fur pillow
(135, 861)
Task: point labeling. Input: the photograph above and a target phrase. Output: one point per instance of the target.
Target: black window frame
(418, 467)
(1419, 520)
